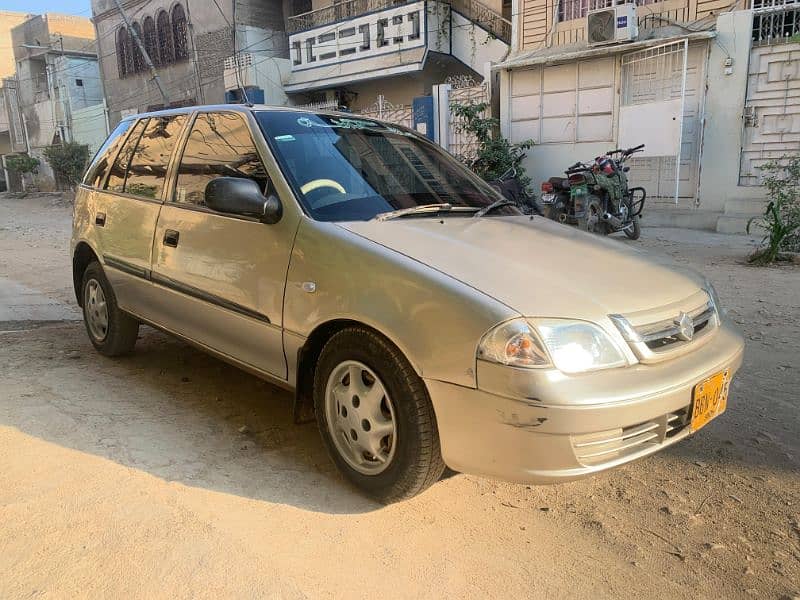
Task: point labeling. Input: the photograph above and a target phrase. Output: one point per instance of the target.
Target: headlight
(712, 293)
(578, 346)
(513, 343)
(570, 346)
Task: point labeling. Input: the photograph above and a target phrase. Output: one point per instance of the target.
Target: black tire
(417, 460)
(122, 329)
(590, 221)
(635, 231)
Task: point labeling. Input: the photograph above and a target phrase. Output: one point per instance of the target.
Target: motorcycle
(595, 196)
(510, 186)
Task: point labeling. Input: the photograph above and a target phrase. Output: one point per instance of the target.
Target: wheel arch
(308, 356)
(82, 257)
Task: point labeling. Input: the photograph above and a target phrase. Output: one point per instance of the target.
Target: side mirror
(240, 196)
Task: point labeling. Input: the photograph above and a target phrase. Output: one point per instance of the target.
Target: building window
(166, 51)
(179, 33)
(577, 9)
(138, 57)
(79, 82)
(151, 40)
(122, 66)
(299, 7)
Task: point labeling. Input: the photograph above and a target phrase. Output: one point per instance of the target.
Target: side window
(98, 168)
(219, 145)
(116, 179)
(148, 168)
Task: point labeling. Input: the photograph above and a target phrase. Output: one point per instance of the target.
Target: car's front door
(219, 279)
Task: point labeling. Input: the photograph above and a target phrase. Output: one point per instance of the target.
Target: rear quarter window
(98, 168)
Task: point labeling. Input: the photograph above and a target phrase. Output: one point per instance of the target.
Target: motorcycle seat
(559, 183)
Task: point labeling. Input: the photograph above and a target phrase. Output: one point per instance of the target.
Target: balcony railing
(473, 10)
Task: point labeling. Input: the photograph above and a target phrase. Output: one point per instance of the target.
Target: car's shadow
(177, 413)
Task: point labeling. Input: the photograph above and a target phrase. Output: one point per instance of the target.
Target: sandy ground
(171, 474)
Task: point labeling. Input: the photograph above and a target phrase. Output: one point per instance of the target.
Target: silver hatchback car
(424, 320)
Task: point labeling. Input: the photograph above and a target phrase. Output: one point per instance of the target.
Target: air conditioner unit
(612, 25)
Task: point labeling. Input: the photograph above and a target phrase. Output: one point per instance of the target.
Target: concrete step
(686, 218)
(738, 224)
(744, 206)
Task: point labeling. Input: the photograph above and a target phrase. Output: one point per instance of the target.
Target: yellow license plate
(709, 398)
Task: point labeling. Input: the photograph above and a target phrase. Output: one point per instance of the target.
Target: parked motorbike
(510, 186)
(595, 195)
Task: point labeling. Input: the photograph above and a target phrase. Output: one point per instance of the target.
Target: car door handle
(100, 219)
(171, 238)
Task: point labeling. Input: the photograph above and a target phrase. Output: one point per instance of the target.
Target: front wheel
(634, 229)
(375, 416)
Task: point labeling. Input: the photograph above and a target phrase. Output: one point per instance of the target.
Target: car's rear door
(125, 208)
(220, 278)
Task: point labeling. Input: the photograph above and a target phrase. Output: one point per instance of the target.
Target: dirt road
(171, 474)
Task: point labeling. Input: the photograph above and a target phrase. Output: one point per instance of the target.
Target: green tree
(68, 162)
(495, 154)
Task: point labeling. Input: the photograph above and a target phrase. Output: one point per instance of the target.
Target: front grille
(661, 338)
(667, 334)
(593, 449)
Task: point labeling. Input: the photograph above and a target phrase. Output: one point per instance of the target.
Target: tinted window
(116, 180)
(219, 145)
(98, 168)
(349, 168)
(148, 169)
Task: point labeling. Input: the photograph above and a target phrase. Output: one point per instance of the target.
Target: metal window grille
(179, 33)
(166, 50)
(775, 21)
(577, 9)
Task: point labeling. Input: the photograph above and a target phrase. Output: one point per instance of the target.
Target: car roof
(185, 110)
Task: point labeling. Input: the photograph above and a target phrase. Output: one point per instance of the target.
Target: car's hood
(536, 266)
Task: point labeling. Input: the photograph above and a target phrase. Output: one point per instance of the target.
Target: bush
(496, 154)
(22, 163)
(781, 217)
(68, 162)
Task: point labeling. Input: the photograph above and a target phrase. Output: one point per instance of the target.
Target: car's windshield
(345, 168)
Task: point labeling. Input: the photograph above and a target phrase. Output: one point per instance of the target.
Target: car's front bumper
(545, 427)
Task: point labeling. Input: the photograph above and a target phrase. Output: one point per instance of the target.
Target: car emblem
(685, 325)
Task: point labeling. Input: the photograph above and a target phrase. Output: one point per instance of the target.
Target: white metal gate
(661, 106)
(386, 111)
(772, 108)
(460, 142)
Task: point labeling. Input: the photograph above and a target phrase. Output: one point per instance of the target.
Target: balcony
(473, 10)
(368, 39)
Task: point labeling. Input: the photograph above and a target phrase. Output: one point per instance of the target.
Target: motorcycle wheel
(590, 221)
(634, 230)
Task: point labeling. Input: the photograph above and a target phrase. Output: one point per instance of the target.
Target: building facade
(190, 44)
(55, 79)
(352, 52)
(711, 86)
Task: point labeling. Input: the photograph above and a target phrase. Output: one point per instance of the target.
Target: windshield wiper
(496, 204)
(421, 209)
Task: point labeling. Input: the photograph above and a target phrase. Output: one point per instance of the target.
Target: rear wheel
(591, 221)
(375, 416)
(111, 331)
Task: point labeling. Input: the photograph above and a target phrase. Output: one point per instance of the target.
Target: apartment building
(193, 48)
(711, 86)
(351, 52)
(11, 137)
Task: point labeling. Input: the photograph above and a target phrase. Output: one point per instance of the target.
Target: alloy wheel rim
(96, 310)
(360, 417)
